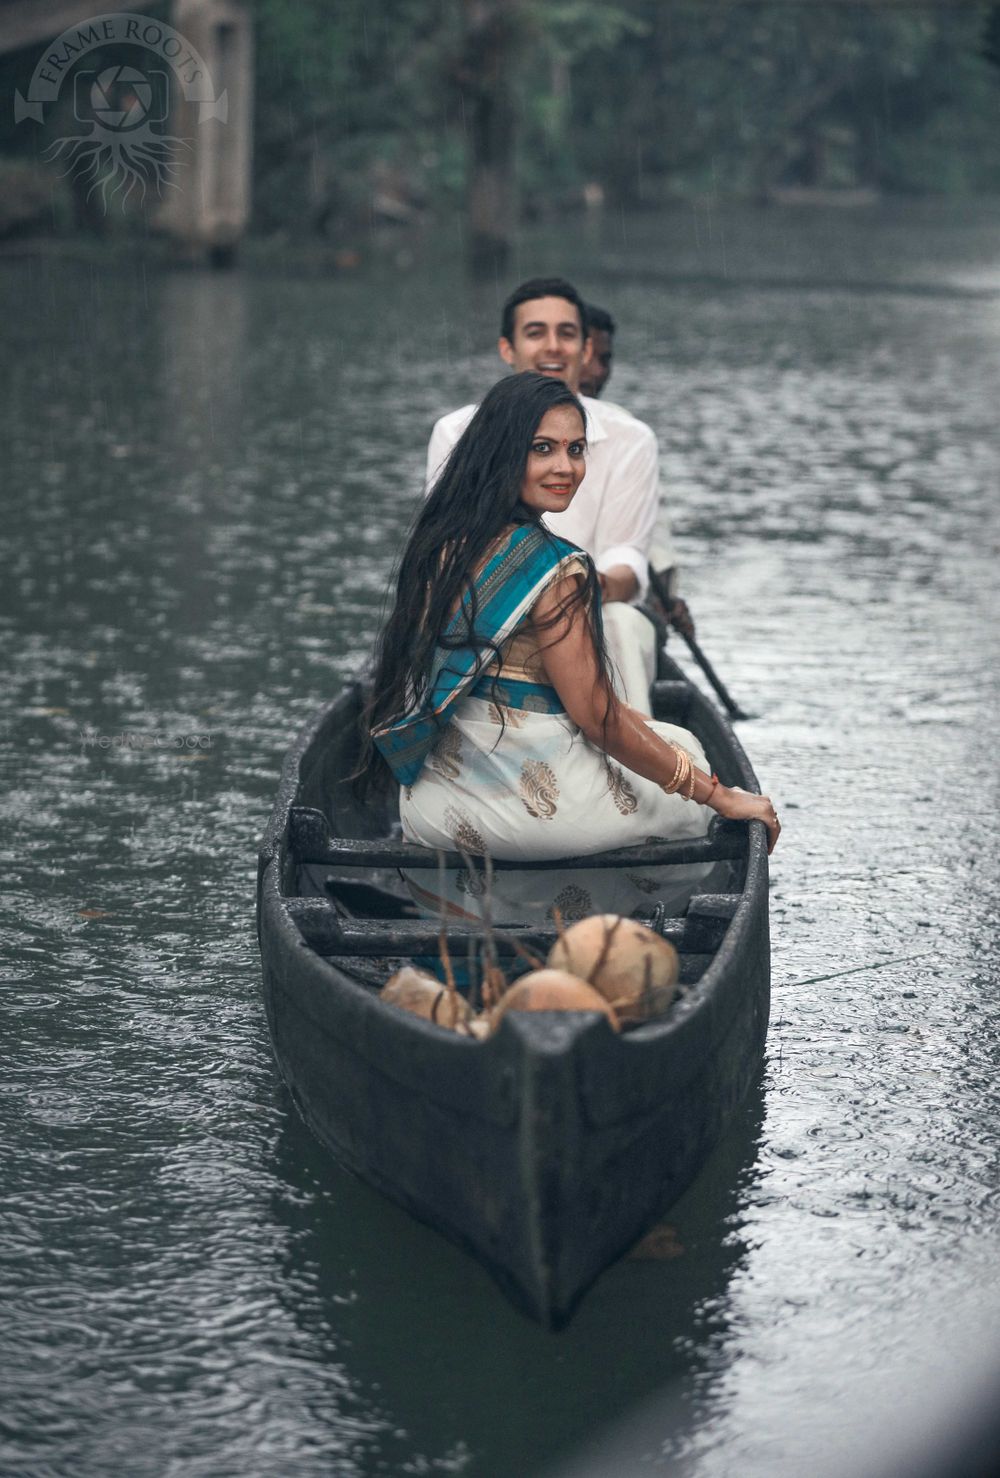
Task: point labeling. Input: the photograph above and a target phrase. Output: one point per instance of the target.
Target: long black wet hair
(476, 496)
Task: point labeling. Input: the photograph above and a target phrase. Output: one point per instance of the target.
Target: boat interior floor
(372, 927)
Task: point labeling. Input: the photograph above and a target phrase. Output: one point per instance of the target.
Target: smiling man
(614, 512)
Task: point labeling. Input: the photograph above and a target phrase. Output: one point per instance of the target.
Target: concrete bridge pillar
(210, 209)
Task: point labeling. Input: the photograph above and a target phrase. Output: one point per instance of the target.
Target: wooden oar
(660, 580)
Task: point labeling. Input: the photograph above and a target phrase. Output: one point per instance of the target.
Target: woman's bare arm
(570, 660)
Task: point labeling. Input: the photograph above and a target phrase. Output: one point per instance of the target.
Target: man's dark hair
(540, 287)
(599, 318)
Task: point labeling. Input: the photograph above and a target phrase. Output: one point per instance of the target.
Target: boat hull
(545, 1151)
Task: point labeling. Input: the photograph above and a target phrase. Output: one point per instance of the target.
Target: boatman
(599, 330)
(615, 510)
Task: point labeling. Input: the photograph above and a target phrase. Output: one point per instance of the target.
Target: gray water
(206, 479)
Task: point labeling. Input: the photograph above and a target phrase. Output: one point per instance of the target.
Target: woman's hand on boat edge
(569, 658)
(742, 805)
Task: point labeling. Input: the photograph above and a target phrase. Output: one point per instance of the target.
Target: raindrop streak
(208, 479)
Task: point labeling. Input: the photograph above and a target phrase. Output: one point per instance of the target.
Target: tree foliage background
(365, 109)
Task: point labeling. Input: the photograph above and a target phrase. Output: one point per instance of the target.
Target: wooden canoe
(548, 1149)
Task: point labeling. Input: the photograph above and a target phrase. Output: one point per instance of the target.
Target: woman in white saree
(493, 705)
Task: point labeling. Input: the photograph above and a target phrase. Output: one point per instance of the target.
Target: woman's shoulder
(528, 553)
(575, 563)
(535, 537)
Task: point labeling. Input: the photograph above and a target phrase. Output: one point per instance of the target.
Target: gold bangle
(681, 772)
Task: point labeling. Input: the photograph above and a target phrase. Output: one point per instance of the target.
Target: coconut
(552, 990)
(632, 967)
(415, 990)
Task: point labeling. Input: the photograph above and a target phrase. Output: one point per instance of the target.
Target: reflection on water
(207, 480)
(446, 1350)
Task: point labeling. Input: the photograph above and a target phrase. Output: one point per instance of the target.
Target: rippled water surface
(206, 479)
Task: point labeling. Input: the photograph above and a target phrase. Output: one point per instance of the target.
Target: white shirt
(615, 508)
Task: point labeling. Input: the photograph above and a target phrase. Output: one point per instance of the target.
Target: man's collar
(595, 426)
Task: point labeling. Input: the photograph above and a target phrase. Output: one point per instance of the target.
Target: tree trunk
(486, 80)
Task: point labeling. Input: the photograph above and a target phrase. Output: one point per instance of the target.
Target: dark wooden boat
(550, 1148)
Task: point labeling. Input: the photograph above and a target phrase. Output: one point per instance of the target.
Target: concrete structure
(205, 47)
(210, 211)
